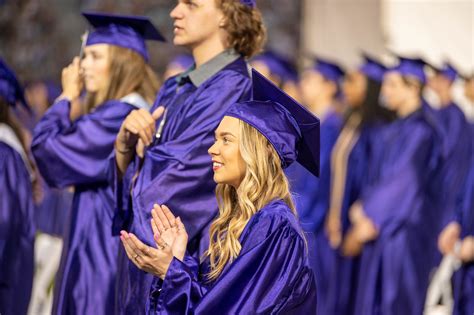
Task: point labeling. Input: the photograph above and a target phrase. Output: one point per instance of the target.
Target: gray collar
(200, 75)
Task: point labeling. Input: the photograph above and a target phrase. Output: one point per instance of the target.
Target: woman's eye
(225, 140)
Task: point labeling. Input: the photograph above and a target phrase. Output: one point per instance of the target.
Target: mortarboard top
(123, 31)
(291, 129)
(10, 88)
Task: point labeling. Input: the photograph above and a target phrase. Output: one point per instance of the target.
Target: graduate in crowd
(73, 141)
(395, 223)
(178, 131)
(461, 229)
(17, 228)
(349, 166)
(280, 70)
(257, 260)
(320, 86)
(456, 139)
(178, 65)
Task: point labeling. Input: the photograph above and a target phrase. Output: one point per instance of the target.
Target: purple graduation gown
(17, 233)
(457, 161)
(76, 153)
(176, 171)
(463, 279)
(311, 196)
(271, 275)
(401, 199)
(343, 271)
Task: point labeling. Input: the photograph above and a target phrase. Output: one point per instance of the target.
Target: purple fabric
(340, 270)
(456, 142)
(373, 69)
(120, 36)
(403, 203)
(17, 233)
(413, 67)
(312, 201)
(463, 280)
(177, 171)
(270, 275)
(250, 3)
(76, 153)
(10, 88)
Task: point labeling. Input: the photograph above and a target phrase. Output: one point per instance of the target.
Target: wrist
(121, 148)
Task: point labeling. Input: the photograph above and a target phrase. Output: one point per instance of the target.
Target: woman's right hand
(166, 228)
(139, 124)
(448, 238)
(71, 80)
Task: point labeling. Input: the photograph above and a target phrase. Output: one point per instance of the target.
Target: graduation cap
(328, 69)
(372, 68)
(278, 65)
(291, 129)
(123, 31)
(413, 67)
(10, 88)
(448, 71)
(250, 3)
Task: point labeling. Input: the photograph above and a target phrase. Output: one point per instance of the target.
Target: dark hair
(244, 25)
(370, 110)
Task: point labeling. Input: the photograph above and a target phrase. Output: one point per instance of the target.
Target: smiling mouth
(216, 165)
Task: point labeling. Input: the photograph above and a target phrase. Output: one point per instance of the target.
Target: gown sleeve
(270, 277)
(75, 153)
(391, 200)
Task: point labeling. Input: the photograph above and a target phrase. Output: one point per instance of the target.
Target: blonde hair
(245, 28)
(264, 181)
(128, 73)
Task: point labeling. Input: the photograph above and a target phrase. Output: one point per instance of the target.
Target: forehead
(97, 48)
(228, 124)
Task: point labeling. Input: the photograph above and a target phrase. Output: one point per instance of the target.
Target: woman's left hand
(149, 259)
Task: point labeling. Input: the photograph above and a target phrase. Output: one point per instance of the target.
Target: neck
(321, 105)
(204, 52)
(445, 98)
(409, 107)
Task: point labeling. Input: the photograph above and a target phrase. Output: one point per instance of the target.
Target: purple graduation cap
(10, 88)
(289, 127)
(123, 31)
(413, 67)
(448, 71)
(278, 65)
(250, 3)
(372, 68)
(328, 69)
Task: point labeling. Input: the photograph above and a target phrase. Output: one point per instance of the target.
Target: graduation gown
(176, 171)
(271, 275)
(402, 201)
(350, 162)
(311, 197)
(17, 232)
(463, 279)
(76, 153)
(456, 142)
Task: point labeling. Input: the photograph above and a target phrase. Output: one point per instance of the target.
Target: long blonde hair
(263, 182)
(128, 73)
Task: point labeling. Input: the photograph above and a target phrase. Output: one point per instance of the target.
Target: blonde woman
(257, 258)
(72, 143)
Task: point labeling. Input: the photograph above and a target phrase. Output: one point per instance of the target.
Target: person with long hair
(395, 222)
(320, 87)
(73, 141)
(17, 228)
(350, 160)
(221, 35)
(257, 260)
